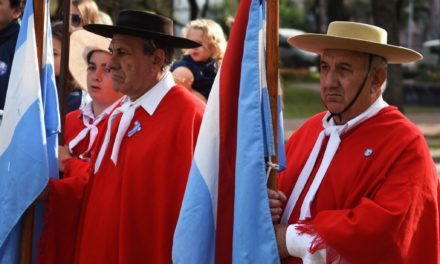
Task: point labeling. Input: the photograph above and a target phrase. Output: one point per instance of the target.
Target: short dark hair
(15, 3)
(150, 45)
(57, 29)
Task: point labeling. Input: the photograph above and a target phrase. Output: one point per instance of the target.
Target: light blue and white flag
(225, 216)
(26, 159)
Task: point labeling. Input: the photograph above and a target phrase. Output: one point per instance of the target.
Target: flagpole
(64, 69)
(28, 217)
(272, 78)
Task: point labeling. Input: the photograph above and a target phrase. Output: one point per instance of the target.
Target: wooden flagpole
(272, 78)
(28, 217)
(64, 68)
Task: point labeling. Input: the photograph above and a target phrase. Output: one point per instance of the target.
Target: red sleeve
(63, 207)
(75, 167)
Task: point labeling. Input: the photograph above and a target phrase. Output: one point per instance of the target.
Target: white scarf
(90, 123)
(149, 101)
(334, 131)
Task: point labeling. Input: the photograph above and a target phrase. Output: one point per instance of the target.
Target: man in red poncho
(362, 186)
(142, 160)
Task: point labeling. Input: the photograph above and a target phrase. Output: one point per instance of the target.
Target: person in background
(89, 70)
(77, 95)
(85, 12)
(362, 186)
(10, 12)
(199, 66)
(81, 130)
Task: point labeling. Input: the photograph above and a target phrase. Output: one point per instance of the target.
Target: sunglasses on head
(75, 20)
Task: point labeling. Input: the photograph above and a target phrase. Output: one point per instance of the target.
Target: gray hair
(150, 45)
(381, 63)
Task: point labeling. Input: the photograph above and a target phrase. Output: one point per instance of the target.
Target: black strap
(359, 90)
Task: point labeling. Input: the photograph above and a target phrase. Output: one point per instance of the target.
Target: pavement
(428, 123)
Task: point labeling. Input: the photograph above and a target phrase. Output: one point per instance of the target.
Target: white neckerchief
(149, 101)
(334, 131)
(90, 123)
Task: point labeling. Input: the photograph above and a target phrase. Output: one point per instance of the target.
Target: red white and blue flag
(29, 134)
(225, 214)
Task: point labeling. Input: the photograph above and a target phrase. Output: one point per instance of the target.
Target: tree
(386, 14)
(336, 11)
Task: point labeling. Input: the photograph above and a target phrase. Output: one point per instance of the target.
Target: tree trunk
(336, 11)
(385, 15)
(205, 8)
(194, 9)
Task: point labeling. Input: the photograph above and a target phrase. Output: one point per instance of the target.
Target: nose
(328, 79)
(98, 74)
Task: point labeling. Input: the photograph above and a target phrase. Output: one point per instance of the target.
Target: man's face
(7, 13)
(342, 72)
(133, 72)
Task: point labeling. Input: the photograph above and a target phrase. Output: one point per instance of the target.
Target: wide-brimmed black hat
(145, 25)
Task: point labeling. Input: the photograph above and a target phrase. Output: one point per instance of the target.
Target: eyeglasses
(75, 20)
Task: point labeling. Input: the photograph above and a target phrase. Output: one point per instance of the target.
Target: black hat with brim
(145, 25)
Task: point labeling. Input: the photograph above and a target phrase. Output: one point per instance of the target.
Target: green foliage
(221, 12)
(291, 16)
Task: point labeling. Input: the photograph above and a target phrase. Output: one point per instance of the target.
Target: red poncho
(132, 208)
(378, 208)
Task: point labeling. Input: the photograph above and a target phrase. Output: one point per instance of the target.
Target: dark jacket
(8, 39)
(204, 73)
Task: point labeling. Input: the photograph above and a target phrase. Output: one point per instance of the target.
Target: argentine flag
(225, 216)
(27, 145)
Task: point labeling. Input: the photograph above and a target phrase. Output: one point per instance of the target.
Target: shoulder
(391, 121)
(72, 116)
(314, 123)
(307, 133)
(184, 100)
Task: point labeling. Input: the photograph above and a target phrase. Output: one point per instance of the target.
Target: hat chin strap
(359, 90)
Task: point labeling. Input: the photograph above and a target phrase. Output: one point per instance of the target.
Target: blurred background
(414, 88)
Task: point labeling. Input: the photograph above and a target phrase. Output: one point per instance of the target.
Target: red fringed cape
(378, 208)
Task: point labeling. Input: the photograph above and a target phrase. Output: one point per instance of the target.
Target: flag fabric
(24, 150)
(52, 123)
(225, 214)
(49, 94)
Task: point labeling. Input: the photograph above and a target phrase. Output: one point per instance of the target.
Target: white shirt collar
(87, 110)
(151, 99)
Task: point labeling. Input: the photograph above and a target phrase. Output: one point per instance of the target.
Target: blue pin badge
(368, 152)
(3, 68)
(136, 128)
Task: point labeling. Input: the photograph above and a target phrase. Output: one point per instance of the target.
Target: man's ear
(158, 57)
(378, 78)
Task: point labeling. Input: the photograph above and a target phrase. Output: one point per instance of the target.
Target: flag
(52, 123)
(49, 94)
(24, 150)
(225, 214)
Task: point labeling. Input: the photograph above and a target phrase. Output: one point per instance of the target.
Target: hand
(276, 199)
(280, 234)
(63, 155)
